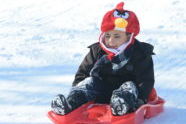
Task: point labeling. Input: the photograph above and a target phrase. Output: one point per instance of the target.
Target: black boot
(124, 99)
(120, 104)
(60, 105)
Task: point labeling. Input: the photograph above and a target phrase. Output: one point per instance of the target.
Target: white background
(42, 42)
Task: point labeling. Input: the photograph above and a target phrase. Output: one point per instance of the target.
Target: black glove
(119, 62)
(101, 67)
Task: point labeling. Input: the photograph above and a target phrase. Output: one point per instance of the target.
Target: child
(118, 70)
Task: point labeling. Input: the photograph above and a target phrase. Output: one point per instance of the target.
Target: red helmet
(120, 19)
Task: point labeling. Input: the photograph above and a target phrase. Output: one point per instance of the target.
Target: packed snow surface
(42, 43)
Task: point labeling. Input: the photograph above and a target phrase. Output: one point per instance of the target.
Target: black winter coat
(139, 68)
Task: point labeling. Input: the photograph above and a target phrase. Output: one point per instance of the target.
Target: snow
(42, 42)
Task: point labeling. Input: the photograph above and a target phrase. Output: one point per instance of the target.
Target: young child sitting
(118, 69)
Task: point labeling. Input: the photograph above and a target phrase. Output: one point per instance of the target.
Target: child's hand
(102, 66)
(103, 60)
(119, 61)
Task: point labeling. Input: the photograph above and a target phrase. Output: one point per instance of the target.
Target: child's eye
(117, 37)
(107, 36)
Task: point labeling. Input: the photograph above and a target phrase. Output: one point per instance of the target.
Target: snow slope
(42, 42)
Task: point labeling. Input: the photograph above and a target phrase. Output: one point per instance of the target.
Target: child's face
(114, 38)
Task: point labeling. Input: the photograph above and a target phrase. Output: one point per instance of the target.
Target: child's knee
(91, 84)
(85, 82)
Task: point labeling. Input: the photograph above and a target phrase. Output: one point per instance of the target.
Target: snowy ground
(42, 42)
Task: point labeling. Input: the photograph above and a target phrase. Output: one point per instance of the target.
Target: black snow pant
(93, 89)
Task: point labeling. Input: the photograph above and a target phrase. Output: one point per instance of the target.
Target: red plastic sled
(92, 113)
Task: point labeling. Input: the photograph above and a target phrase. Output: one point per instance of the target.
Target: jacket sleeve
(85, 67)
(144, 72)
